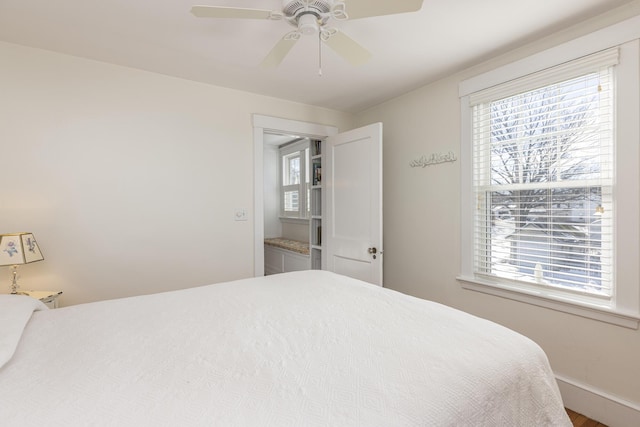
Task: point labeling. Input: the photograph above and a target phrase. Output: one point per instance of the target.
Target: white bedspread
(298, 349)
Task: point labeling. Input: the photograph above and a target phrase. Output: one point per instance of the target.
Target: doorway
(266, 125)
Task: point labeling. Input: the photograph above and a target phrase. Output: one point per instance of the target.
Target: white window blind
(543, 178)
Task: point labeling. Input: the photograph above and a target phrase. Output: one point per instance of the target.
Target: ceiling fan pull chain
(320, 54)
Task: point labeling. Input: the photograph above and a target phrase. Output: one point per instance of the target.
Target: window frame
(302, 148)
(623, 308)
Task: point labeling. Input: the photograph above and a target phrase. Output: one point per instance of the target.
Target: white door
(352, 173)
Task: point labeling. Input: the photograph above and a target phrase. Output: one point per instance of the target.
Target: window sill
(627, 320)
(294, 220)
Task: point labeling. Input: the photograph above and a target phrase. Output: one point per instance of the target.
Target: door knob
(373, 250)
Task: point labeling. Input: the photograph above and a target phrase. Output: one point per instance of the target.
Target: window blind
(603, 59)
(543, 177)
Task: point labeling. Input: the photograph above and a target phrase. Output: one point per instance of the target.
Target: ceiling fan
(311, 17)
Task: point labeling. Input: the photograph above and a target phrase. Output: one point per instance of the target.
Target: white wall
(296, 230)
(272, 225)
(422, 240)
(128, 179)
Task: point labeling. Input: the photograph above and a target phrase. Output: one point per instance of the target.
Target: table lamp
(16, 249)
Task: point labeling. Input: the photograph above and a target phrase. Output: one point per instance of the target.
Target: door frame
(262, 123)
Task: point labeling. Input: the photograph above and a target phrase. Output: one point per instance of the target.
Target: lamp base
(14, 282)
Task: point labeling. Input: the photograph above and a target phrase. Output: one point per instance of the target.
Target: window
(541, 197)
(542, 178)
(294, 166)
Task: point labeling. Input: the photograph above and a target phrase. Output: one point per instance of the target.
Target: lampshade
(19, 248)
(15, 249)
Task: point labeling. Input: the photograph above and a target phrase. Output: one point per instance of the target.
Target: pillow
(15, 312)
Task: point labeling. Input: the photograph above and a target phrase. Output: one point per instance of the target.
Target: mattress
(307, 348)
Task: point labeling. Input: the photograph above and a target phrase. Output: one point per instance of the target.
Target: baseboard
(598, 405)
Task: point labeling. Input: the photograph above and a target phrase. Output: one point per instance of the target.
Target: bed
(309, 348)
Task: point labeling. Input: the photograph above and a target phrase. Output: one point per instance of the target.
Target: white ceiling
(409, 50)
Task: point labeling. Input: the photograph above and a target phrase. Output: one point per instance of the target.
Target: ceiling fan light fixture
(339, 11)
(308, 24)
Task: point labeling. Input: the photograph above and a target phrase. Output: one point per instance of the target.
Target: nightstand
(50, 299)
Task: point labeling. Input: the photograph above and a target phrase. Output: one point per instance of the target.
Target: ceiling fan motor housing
(307, 15)
(292, 8)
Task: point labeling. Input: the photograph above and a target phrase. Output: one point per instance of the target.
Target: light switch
(241, 215)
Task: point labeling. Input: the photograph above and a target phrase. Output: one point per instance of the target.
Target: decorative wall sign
(433, 159)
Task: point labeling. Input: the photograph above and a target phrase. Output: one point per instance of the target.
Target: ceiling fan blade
(357, 9)
(279, 52)
(230, 12)
(349, 49)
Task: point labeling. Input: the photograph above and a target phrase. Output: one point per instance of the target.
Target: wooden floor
(580, 420)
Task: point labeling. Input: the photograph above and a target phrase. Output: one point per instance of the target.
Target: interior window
(294, 166)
